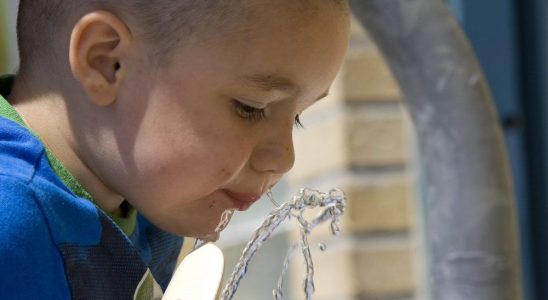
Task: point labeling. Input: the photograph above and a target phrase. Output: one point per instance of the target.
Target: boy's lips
(242, 201)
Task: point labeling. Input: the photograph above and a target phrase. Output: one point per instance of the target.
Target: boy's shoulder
(19, 150)
(49, 235)
(31, 265)
(37, 216)
(31, 192)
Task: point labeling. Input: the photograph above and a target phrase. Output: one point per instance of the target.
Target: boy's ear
(99, 45)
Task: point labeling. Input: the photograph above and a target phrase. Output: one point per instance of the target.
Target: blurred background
(360, 139)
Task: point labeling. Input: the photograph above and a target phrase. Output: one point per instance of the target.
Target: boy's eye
(249, 112)
(256, 114)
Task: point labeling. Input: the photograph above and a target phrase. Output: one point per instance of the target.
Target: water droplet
(322, 246)
(270, 197)
(225, 219)
(277, 294)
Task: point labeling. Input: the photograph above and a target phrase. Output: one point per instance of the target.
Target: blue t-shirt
(57, 245)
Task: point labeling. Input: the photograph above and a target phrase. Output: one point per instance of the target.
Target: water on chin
(226, 216)
(225, 219)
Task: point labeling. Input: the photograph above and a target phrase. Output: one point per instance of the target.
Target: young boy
(133, 123)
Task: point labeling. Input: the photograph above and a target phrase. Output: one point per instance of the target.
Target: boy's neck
(46, 114)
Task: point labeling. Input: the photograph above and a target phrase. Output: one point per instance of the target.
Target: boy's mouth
(242, 201)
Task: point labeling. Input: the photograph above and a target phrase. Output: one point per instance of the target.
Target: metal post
(470, 218)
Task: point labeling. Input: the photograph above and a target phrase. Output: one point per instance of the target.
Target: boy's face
(213, 130)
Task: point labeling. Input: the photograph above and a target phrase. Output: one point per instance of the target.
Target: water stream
(333, 205)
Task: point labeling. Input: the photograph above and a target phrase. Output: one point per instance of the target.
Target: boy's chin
(212, 237)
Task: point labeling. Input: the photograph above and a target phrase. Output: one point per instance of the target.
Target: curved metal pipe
(470, 218)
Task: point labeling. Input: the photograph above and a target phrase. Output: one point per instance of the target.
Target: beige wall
(359, 139)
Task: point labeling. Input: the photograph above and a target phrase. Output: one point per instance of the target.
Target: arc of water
(334, 202)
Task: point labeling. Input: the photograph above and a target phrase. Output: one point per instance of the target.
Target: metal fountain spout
(470, 216)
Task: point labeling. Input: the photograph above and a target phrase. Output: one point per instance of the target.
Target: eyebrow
(271, 82)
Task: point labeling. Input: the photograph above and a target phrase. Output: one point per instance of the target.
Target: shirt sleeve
(31, 267)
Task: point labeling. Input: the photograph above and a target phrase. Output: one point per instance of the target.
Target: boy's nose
(277, 156)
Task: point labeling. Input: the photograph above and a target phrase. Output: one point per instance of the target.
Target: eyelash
(256, 114)
(249, 112)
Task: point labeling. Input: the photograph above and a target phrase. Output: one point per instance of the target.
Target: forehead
(276, 46)
(239, 18)
(290, 40)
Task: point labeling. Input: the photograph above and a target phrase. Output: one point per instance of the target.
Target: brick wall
(359, 139)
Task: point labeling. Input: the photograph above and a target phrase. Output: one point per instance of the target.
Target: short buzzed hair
(42, 23)
(161, 23)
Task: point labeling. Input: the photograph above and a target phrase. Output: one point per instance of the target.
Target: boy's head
(183, 108)
(161, 24)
